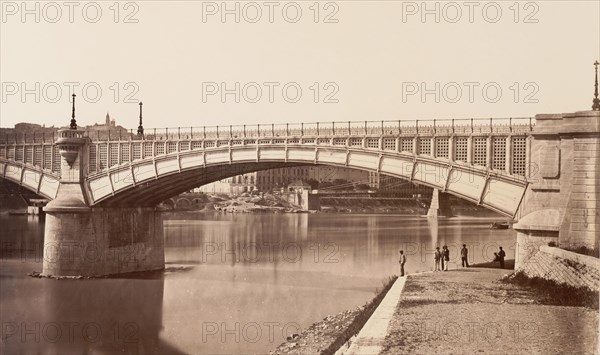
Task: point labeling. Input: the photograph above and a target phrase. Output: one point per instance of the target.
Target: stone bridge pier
(86, 241)
(562, 200)
(439, 206)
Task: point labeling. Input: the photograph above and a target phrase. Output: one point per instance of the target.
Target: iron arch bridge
(484, 161)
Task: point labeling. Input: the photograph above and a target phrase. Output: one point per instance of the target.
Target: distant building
(280, 178)
(109, 127)
(234, 185)
(30, 129)
(98, 129)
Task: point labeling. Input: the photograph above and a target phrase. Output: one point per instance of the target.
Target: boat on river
(500, 225)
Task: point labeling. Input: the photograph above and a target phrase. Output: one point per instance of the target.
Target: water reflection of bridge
(79, 317)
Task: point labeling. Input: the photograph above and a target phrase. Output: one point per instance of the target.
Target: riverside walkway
(469, 311)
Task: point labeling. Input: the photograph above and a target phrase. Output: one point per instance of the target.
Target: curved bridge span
(104, 188)
(483, 161)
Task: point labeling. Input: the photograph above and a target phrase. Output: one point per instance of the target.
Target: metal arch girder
(450, 170)
(485, 185)
(320, 154)
(316, 159)
(42, 175)
(142, 192)
(190, 181)
(156, 191)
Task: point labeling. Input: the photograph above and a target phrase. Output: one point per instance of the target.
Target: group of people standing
(442, 258)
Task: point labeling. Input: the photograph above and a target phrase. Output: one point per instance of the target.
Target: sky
(195, 63)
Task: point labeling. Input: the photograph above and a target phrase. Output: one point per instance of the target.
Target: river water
(232, 283)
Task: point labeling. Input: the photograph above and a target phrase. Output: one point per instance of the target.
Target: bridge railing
(325, 129)
(32, 137)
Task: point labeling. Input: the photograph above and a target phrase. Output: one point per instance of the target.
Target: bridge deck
(484, 163)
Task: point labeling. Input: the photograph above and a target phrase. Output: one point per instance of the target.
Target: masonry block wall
(581, 225)
(563, 267)
(103, 242)
(563, 173)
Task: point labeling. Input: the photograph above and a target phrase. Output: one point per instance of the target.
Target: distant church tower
(107, 120)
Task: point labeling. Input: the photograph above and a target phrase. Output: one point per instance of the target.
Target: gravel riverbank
(471, 311)
(330, 334)
(318, 336)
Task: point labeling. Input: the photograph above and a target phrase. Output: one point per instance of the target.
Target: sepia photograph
(352, 177)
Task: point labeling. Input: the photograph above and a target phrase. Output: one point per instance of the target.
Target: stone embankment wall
(563, 266)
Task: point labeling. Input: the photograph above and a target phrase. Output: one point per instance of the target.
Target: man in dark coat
(464, 252)
(501, 255)
(446, 257)
(402, 261)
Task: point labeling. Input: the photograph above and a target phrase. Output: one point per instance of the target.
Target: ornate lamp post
(69, 143)
(140, 130)
(74, 122)
(596, 101)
